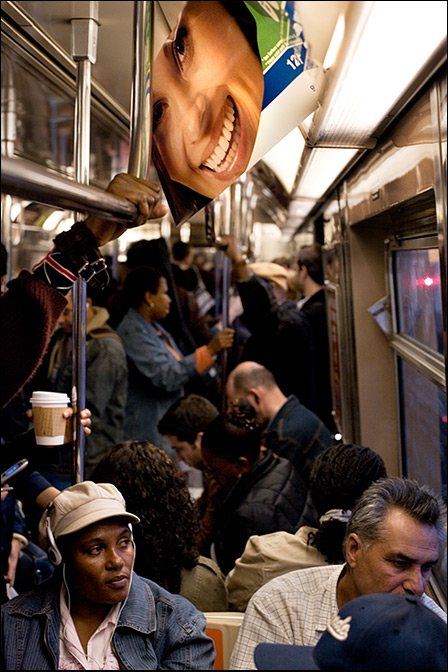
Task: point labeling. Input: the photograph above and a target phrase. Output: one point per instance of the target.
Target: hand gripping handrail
(29, 181)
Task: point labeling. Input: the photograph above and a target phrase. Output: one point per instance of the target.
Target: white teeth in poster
(230, 81)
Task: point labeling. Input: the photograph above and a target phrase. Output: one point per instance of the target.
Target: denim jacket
(156, 377)
(156, 631)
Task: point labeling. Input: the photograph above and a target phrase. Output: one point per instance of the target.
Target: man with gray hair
(394, 536)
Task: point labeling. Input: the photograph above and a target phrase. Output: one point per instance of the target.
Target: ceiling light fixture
(382, 55)
(386, 46)
(335, 42)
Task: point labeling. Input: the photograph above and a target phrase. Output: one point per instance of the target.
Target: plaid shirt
(293, 609)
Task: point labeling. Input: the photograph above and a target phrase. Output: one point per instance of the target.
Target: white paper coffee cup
(49, 423)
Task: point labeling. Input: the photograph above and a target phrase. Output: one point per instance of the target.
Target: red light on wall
(427, 281)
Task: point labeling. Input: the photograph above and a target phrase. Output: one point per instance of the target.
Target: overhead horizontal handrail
(29, 181)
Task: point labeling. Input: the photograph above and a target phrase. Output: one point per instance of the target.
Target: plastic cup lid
(49, 398)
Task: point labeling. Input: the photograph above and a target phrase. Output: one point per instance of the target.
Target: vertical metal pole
(217, 215)
(236, 199)
(9, 111)
(9, 125)
(226, 266)
(141, 111)
(226, 276)
(84, 41)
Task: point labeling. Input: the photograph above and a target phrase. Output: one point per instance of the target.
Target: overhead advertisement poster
(231, 80)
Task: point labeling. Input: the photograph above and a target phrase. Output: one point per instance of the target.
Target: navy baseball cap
(372, 632)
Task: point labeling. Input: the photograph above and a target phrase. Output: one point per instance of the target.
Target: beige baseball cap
(81, 505)
(271, 271)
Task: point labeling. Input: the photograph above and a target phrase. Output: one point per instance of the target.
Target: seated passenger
(393, 539)
(372, 632)
(183, 426)
(262, 493)
(158, 371)
(291, 430)
(96, 613)
(339, 476)
(155, 489)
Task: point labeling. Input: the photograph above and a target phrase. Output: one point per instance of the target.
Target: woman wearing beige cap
(95, 613)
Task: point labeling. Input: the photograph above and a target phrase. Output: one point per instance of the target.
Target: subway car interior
(364, 175)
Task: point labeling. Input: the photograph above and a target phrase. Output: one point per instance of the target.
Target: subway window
(416, 302)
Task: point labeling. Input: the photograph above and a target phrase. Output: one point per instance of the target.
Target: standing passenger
(34, 301)
(183, 425)
(106, 385)
(310, 282)
(157, 369)
(281, 337)
(290, 429)
(187, 275)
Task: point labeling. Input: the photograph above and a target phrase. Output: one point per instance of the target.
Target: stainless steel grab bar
(141, 110)
(29, 181)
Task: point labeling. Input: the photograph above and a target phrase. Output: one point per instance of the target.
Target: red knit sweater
(29, 311)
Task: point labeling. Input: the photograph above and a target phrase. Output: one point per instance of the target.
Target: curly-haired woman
(155, 490)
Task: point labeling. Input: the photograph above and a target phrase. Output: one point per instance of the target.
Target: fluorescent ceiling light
(389, 46)
(322, 169)
(64, 225)
(298, 210)
(300, 207)
(185, 232)
(53, 220)
(284, 158)
(335, 42)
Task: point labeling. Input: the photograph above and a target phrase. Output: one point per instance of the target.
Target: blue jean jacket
(156, 377)
(156, 631)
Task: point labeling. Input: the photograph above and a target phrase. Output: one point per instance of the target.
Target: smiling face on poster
(224, 91)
